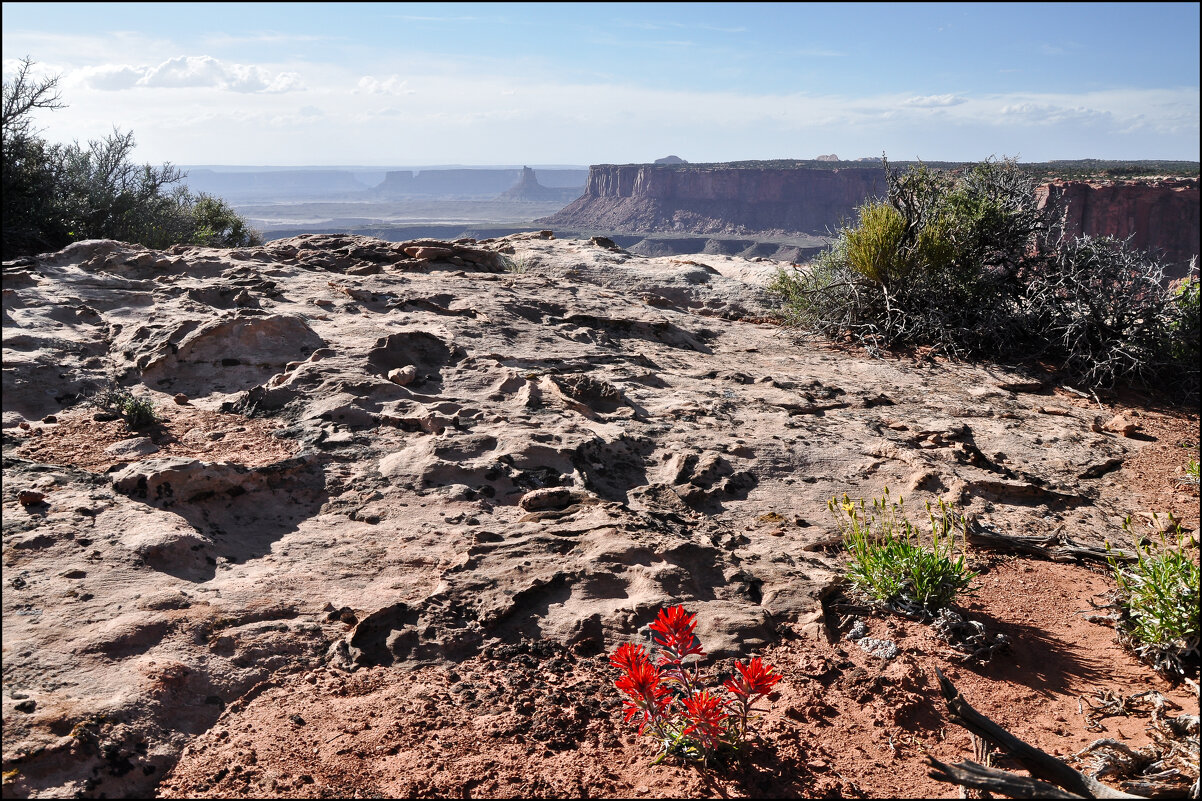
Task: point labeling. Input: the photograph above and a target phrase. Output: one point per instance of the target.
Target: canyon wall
(1161, 214)
(718, 200)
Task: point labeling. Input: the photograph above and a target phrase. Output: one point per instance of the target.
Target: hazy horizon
(473, 85)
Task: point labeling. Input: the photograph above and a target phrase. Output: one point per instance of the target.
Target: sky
(577, 84)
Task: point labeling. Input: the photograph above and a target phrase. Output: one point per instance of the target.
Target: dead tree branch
(1039, 763)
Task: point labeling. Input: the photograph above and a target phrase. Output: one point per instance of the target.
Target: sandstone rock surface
(575, 447)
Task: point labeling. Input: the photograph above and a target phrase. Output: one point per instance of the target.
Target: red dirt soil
(533, 719)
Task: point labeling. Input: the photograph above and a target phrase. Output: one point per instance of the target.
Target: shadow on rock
(227, 510)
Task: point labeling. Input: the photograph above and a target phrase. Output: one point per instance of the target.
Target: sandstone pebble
(30, 497)
(403, 376)
(1120, 424)
(547, 498)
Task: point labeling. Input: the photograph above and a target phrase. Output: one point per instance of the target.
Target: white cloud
(110, 77)
(1048, 114)
(206, 71)
(934, 101)
(392, 85)
(189, 72)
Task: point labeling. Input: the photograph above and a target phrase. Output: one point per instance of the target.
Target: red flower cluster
(646, 698)
(674, 634)
(689, 721)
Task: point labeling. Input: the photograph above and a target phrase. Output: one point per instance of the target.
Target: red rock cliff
(1160, 215)
(645, 198)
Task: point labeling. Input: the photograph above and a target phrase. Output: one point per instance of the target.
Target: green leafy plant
(668, 701)
(1191, 473)
(137, 412)
(1157, 599)
(891, 563)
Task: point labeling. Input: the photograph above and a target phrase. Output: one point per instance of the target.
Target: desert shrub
(518, 265)
(137, 412)
(216, 224)
(1158, 600)
(874, 247)
(1101, 310)
(927, 265)
(891, 563)
(1183, 328)
(55, 194)
(967, 264)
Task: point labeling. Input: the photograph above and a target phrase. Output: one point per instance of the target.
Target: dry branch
(1039, 763)
(991, 780)
(1056, 546)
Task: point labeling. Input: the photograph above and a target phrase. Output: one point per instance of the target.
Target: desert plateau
(401, 500)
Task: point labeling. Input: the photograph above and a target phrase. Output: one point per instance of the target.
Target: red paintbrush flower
(755, 679)
(704, 713)
(640, 679)
(674, 630)
(627, 656)
(646, 698)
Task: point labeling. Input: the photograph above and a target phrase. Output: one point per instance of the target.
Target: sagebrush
(969, 265)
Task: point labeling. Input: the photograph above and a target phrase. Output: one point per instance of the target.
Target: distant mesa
(529, 189)
(479, 183)
(828, 157)
(671, 160)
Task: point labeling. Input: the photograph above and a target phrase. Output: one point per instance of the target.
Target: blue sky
(477, 84)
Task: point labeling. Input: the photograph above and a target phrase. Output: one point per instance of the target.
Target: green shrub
(890, 562)
(217, 225)
(1158, 600)
(874, 247)
(55, 194)
(968, 264)
(137, 412)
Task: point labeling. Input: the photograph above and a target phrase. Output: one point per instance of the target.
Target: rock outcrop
(718, 199)
(402, 454)
(1160, 216)
(529, 189)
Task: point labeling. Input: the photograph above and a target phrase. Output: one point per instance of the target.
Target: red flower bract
(705, 713)
(627, 656)
(674, 628)
(646, 698)
(666, 696)
(639, 680)
(754, 679)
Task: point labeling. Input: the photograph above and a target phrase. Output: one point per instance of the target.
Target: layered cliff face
(1160, 215)
(729, 200)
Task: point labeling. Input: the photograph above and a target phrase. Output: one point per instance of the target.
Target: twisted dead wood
(1040, 764)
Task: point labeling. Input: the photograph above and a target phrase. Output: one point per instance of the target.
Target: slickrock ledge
(574, 445)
